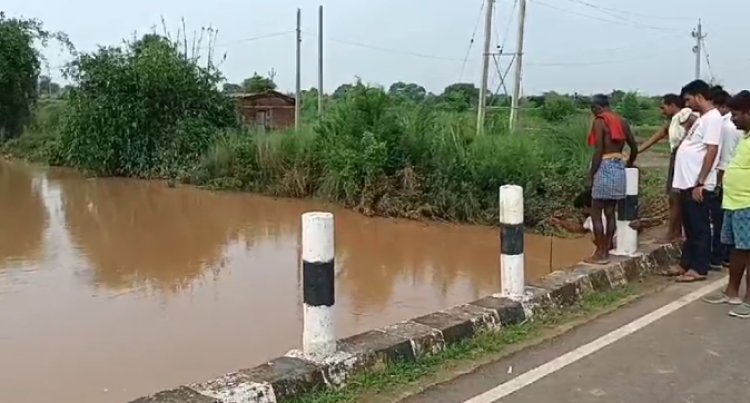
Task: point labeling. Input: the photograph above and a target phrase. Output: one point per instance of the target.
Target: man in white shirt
(730, 137)
(695, 175)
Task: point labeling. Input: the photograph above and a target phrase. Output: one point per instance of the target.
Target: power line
(256, 38)
(708, 58)
(471, 41)
(593, 63)
(618, 11)
(600, 19)
(615, 14)
(508, 24)
(392, 50)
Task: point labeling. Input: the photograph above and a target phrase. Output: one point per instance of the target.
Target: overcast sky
(642, 45)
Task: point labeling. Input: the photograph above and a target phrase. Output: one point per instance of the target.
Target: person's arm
(633, 144)
(711, 138)
(596, 160)
(655, 139)
(689, 122)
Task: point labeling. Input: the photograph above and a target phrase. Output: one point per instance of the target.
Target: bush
(143, 109)
(557, 108)
(408, 161)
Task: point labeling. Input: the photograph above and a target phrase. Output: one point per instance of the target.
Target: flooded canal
(114, 288)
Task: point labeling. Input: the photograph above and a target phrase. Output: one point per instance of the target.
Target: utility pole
(298, 92)
(698, 48)
(320, 61)
(516, 100)
(481, 109)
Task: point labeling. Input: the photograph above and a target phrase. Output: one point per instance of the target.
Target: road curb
(293, 375)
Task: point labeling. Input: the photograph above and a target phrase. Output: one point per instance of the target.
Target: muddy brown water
(114, 288)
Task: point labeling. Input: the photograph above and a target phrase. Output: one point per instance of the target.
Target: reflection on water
(22, 217)
(112, 288)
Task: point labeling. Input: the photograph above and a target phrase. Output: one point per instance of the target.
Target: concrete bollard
(627, 212)
(511, 239)
(318, 336)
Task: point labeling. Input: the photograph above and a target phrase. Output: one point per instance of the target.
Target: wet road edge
(293, 375)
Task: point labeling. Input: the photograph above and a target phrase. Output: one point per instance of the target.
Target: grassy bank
(378, 157)
(465, 356)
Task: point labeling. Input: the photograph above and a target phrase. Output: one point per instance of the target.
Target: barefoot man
(681, 119)
(609, 133)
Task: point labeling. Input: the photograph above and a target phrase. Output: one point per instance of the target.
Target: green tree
(47, 87)
(460, 96)
(231, 88)
(630, 107)
(557, 107)
(258, 83)
(341, 91)
(20, 64)
(412, 92)
(142, 109)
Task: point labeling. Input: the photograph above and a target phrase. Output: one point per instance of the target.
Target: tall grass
(379, 158)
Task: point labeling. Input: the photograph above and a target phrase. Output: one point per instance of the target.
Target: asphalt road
(696, 354)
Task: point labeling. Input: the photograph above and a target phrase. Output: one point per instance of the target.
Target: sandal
(673, 272)
(689, 278)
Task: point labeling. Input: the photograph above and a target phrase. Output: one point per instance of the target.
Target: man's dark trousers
(719, 251)
(696, 251)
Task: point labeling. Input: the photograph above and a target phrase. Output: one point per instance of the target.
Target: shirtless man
(608, 136)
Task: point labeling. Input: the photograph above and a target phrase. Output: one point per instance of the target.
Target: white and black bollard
(511, 241)
(627, 212)
(318, 336)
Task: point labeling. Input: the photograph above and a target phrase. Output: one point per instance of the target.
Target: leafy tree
(557, 107)
(341, 91)
(47, 87)
(231, 88)
(20, 64)
(460, 96)
(142, 109)
(412, 92)
(630, 107)
(616, 97)
(258, 83)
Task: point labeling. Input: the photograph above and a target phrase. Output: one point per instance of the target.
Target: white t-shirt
(677, 129)
(705, 132)
(730, 138)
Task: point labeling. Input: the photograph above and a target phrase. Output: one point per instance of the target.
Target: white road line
(562, 361)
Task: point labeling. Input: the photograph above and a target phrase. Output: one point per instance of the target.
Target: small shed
(268, 110)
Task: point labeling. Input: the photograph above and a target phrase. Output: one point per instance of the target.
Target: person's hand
(698, 194)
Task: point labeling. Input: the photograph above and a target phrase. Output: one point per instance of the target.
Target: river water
(114, 288)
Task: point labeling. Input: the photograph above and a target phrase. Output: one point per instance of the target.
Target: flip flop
(689, 278)
(671, 272)
(601, 262)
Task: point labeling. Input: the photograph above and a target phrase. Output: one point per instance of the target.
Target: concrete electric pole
(320, 61)
(516, 100)
(481, 109)
(298, 92)
(698, 48)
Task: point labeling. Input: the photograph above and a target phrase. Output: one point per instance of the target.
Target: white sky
(640, 45)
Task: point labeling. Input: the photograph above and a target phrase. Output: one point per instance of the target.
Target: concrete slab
(376, 347)
(424, 339)
(179, 395)
(508, 311)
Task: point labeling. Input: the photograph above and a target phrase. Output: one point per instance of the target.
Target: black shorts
(670, 172)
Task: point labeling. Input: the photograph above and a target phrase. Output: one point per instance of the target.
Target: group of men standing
(708, 183)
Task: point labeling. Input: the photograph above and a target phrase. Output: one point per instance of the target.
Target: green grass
(403, 374)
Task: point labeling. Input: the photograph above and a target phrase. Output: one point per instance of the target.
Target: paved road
(696, 354)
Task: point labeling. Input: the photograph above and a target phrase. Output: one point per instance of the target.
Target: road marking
(564, 360)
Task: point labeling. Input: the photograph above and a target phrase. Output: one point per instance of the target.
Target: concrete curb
(293, 375)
